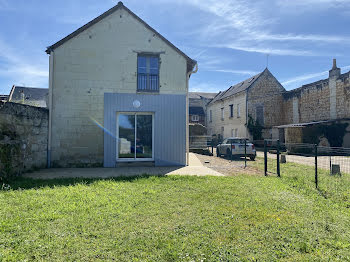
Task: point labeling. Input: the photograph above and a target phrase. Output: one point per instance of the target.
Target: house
(118, 92)
(318, 113)
(29, 96)
(258, 98)
(197, 106)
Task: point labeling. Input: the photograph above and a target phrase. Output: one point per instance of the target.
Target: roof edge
(190, 62)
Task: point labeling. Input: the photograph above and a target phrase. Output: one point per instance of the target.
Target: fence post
(278, 158)
(245, 153)
(231, 149)
(265, 157)
(316, 178)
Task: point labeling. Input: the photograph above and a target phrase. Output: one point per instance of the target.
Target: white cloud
(206, 87)
(21, 69)
(246, 26)
(238, 72)
(299, 80)
(269, 50)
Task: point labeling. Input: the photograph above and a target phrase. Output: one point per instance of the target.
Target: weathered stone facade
(327, 99)
(26, 128)
(259, 97)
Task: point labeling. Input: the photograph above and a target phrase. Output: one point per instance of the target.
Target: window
(210, 116)
(222, 131)
(195, 118)
(222, 114)
(238, 110)
(231, 110)
(236, 132)
(147, 73)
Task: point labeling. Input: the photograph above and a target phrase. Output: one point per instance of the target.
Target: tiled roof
(31, 95)
(244, 85)
(199, 95)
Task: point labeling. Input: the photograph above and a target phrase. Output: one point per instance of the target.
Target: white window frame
(195, 118)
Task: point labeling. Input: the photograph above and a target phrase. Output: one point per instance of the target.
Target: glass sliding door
(144, 136)
(135, 136)
(126, 131)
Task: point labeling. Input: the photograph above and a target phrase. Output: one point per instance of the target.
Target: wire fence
(327, 168)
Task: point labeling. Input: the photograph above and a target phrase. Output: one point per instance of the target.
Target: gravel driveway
(226, 166)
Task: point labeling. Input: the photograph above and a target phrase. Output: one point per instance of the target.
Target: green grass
(333, 187)
(241, 218)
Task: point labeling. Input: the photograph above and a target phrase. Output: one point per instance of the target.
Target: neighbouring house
(197, 106)
(319, 112)
(29, 96)
(258, 98)
(118, 92)
(3, 98)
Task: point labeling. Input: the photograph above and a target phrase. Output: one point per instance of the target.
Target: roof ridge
(110, 11)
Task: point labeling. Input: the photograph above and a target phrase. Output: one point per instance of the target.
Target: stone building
(118, 92)
(259, 98)
(324, 104)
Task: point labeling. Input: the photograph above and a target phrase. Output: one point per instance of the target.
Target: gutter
(49, 142)
(188, 75)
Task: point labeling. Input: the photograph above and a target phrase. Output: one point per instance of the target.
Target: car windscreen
(239, 141)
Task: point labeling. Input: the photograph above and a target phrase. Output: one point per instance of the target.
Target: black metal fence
(324, 165)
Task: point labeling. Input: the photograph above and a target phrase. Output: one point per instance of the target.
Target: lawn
(240, 218)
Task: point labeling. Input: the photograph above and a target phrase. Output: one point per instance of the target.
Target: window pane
(126, 142)
(153, 82)
(154, 65)
(144, 136)
(142, 64)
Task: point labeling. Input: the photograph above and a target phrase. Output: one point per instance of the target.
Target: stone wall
(266, 94)
(327, 99)
(26, 128)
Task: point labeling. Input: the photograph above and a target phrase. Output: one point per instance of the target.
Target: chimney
(335, 71)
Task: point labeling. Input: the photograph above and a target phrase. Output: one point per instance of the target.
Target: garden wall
(23, 137)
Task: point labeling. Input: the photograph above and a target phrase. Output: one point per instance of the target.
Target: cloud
(21, 69)
(269, 50)
(247, 26)
(205, 87)
(238, 72)
(302, 78)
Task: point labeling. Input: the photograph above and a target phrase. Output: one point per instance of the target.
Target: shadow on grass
(22, 183)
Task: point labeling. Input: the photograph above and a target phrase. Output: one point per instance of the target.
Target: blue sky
(230, 39)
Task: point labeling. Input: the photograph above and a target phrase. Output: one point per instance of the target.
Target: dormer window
(148, 73)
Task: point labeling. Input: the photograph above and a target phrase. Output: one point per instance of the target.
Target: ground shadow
(23, 183)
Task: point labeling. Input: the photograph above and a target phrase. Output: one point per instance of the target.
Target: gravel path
(226, 167)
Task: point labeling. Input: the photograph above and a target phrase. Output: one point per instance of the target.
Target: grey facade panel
(169, 125)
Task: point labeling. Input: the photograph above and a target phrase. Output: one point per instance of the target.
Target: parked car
(235, 146)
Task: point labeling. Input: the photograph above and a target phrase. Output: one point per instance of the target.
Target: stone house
(29, 96)
(197, 106)
(258, 97)
(118, 92)
(322, 105)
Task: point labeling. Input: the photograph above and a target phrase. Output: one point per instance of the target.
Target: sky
(231, 39)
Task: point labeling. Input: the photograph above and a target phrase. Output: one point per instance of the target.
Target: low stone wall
(23, 137)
